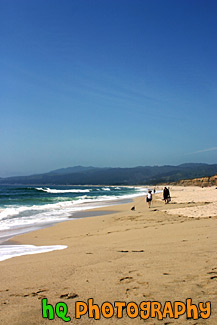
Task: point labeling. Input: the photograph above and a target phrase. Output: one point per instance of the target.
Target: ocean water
(27, 208)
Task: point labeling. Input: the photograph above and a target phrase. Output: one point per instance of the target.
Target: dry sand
(141, 255)
(202, 202)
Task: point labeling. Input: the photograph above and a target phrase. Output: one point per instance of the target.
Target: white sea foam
(9, 251)
(63, 208)
(54, 191)
(19, 217)
(49, 213)
(16, 219)
(141, 189)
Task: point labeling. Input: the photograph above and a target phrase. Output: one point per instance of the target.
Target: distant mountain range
(140, 175)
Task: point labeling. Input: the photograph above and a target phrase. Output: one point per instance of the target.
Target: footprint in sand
(123, 251)
(126, 279)
(5, 302)
(212, 272)
(69, 295)
(141, 251)
(144, 284)
(213, 277)
(4, 290)
(136, 283)
(32, 294)
(131, 291)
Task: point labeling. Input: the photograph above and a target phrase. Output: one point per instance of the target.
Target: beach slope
(130, 256)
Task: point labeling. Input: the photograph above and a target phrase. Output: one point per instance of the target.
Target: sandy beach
(165, 253)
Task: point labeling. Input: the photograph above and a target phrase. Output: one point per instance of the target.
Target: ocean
(27, 208)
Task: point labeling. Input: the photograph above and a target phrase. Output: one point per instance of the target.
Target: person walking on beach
(166, 195)
(169, 198)
(149, 198)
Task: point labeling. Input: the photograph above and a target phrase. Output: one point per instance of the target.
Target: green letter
(61, 311)
(47, 308)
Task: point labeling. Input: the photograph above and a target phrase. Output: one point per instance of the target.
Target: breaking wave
(54, 191)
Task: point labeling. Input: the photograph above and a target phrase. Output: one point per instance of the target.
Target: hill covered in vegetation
(202, 181)
(141, 175)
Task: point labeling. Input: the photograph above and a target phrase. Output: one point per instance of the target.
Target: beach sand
(166, 253)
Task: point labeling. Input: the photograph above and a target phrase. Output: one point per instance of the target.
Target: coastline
(146, 254)
(69, 209)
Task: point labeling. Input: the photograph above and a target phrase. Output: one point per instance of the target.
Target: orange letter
(168, 310)
(120, 305)
(93, 309)
(78, 312)
(177, 311)
(145, 307)
(107, 310)
(132, 310)
(190, 308)
(207, 309)
(156, 309)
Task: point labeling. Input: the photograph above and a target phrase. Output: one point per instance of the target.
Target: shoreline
(8, 240)
(146, 254)
(82, 212)
(83, 215)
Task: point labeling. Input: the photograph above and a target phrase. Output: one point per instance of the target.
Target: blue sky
(107, 83)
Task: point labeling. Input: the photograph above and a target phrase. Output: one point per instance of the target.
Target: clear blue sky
(107, 83)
